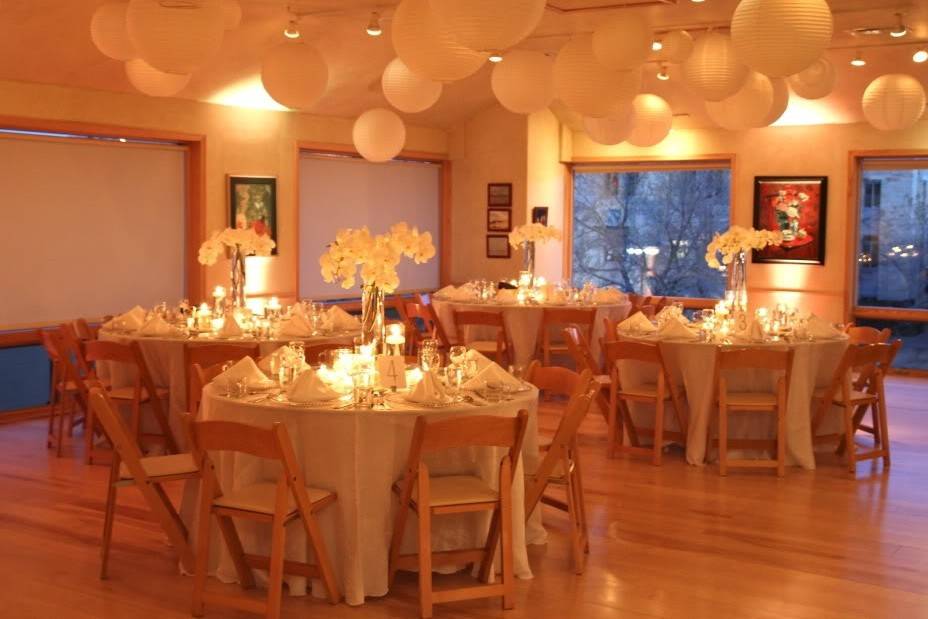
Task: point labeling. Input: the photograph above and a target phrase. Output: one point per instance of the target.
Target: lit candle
(521, 296)
(216, 323)
(219, 293)
(204, 308)
(525, 279)
(191, 322)
(760, 313)
(395, 339)
(540, 281)
(274, 304)
(366, 353)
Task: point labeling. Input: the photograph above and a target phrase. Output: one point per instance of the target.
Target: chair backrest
(71, 346)
(83, 329)
(239, 437)
(729, 359)
(642, 352)
(869, 361)
(477, 318)
(868, 335)
(199, 378)
(440, 332)
(313, 354)
(579, 348)
(206, 355)
(415, 312)
(124, 447)
(554, 379)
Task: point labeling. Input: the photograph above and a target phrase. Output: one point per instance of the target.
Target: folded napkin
(669, 310)
(309, 387)
(481, 359)
(130, 321)
(429, 390)
(244, 368)
(278, 356)
(507, 296)
(230, 327)
(492, 373)
(674, 328)
(754, 331)
(637, 322)
(157, 326)
(340, 320)
(296, 326)
(608, 295)
(821, 329)
(447, 291)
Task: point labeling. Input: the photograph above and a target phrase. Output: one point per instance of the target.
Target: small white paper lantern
(612, 129)
(524, 82)
(149, 80)
(379, 135)
(585, 85)
(175, 39)
(428, 47)
(712, 70)
(295, 75)
(488, 25)
(108, 31)
(780, 100)
(623, 43)
(231, 14)
(406, 91)
(815, 81)
(893, 102)
(781, 37)
(676, 46)
(653, 120)
(748, 108)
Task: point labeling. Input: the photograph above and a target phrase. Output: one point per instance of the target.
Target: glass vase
(736, 289)
(237, 289)
(372, 319)
(528, 258)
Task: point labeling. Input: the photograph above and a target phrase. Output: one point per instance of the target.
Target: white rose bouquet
(247, 240)
(736, 240)
(534, 233)
(378, 256)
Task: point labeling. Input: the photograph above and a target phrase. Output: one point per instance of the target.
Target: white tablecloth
(692, 365)
(523, 322)
(358, 454)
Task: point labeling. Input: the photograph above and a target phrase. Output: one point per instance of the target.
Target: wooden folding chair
(206, 355)
(856, 386)
(422, 322)
(501, 345)
(867, 335)
(579, 348)
(130, 468)
(657, 394)
(455, 494)
(610, 329)
(395, 304)
(771, 359)
(277, 503)
(557, 319)
(561, 462)
(84, 331)
(64, 392)
(199, 378)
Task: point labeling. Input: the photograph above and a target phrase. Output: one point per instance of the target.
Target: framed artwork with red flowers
(253, 204)
(796, 207)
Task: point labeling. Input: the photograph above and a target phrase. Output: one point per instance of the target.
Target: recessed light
(292, 31)
(920, 56)
(656, 45)
(495, 57)
(662, 73)
(899, 30)
(123, 140)
(373, 26)
(858, 61)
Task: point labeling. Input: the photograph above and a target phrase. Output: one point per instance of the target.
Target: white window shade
(90, 228)
(345, 192)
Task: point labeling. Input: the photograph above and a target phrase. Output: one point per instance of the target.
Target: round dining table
(358, 454)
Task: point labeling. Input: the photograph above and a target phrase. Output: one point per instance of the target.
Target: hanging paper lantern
(379, 134)
(488, 25)
(653, 120)
(712, 70)
(780, 101)
(815, 81)
(428, 47)
(676, 46)
(108, 31)
(781, 37)
(895, 101)
(611, 129)
(295, 75)
(176, 38)
(231, 14)
(623, 43)
(149, 80)
(406, 91)
(524, 82)
(748, 108)
(585, 85)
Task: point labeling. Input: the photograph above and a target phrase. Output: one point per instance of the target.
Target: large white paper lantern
(623, 43)
(676, 46)
(428, 47)
(173, 37)
(585, 85)
(231, 14)
(295, 75)
(612, 129)
(524, 82)
(781, 37)
(815, 81)
(653, 120)
(108, 31)
(748, 108)
(407, 91)
(488, 25)
(149, 80)
(379, 134)
(712, 70)
(895, 101)
(780, 100)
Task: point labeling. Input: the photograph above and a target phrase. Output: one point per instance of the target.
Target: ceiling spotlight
(656, 45)
(858, 60)
(292, 31)
(697, 1)
(373, 26)
(899, 30)
(662, 74)
(495, 57)
(920, 56)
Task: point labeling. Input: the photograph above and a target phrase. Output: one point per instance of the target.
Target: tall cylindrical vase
(237, 293)
(736, 290)
(372, 320)
(528, 258)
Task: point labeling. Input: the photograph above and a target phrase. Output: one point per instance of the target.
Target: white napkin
(244, 368)
(342, 320)
(157, 326)
(230, 327)
(265, 362)
(754, 331)
(637, 321)
(669, 310)
(447, 292)
(428, 391)
(608, 295)
(295, 326)
(481, 359)
(130, 321)
(821, 329)
(489, 374)
(673, 328)
(308, 387)
(507, 295)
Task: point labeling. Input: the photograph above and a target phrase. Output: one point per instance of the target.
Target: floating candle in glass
(396, 339)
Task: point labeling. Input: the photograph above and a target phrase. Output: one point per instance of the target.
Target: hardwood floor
(674, 542)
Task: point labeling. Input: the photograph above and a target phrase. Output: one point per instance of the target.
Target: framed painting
(499, 194)
(498, 246)
(795, 206)
(540, 215)
(499, 220)
(253, 204)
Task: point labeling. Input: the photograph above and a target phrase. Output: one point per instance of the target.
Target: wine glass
(457, 355)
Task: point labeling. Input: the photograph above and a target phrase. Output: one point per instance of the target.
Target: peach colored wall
(546, 187)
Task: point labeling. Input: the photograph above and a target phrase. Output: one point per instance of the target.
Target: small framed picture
(497, 246)
(796, 207)
(540, 215)
(499, 220)
(253, 204)
(499, 194)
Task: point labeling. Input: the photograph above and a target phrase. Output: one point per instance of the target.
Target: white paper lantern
(676, 46)
(149, 80)
(611, 129)
(815, 81)
(524, 82)
(175, 38)
(488, 25)
(781, 37)
(893, 102)
(231, 14)
(780, 100)
(585, 85)
(748, 108)
(295, 75)
(623, 43)
(428, 47)
(406, 91)
(712, 70)
(108, 31)
(379, 134)
(653, 120)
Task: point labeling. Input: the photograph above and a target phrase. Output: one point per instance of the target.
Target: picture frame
(540, 215)
(499, 220)
(797, 206)
(498, 246)
(499, 194)
(253, 204)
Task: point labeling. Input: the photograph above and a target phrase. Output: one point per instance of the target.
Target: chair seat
(128, 393)
(603, 380)
(644, 391)
(260, 498)
(68, 386)
(457, 490)
(162, 466)
(483, 345)
(544, 442)
(751, 398)
(856, 396)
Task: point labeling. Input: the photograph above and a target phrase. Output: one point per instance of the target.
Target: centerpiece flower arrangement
(733, 246)
(527, 235)
(242, 242)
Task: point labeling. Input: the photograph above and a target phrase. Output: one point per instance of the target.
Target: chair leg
(573, 517)
(850, 445)
(884, 424)
(723, 440)
(275, 579)
(89, 431)
(505, 499)
(246, 577)
(425, 561)
(322, 558)
(781, 439)
(202, 554)
(59, 433)
(396, 542)
(658, 431)
(581, 496)
(108, 514)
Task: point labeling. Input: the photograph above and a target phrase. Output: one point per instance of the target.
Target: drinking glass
(297, 349)
(457, 355)
(429, 357)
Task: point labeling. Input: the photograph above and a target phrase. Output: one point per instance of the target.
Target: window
(872, 189)
(646, 229)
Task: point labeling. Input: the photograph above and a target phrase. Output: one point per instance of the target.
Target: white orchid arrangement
(534, 233)
(378, 256)
(736, 240)
(247, 240)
